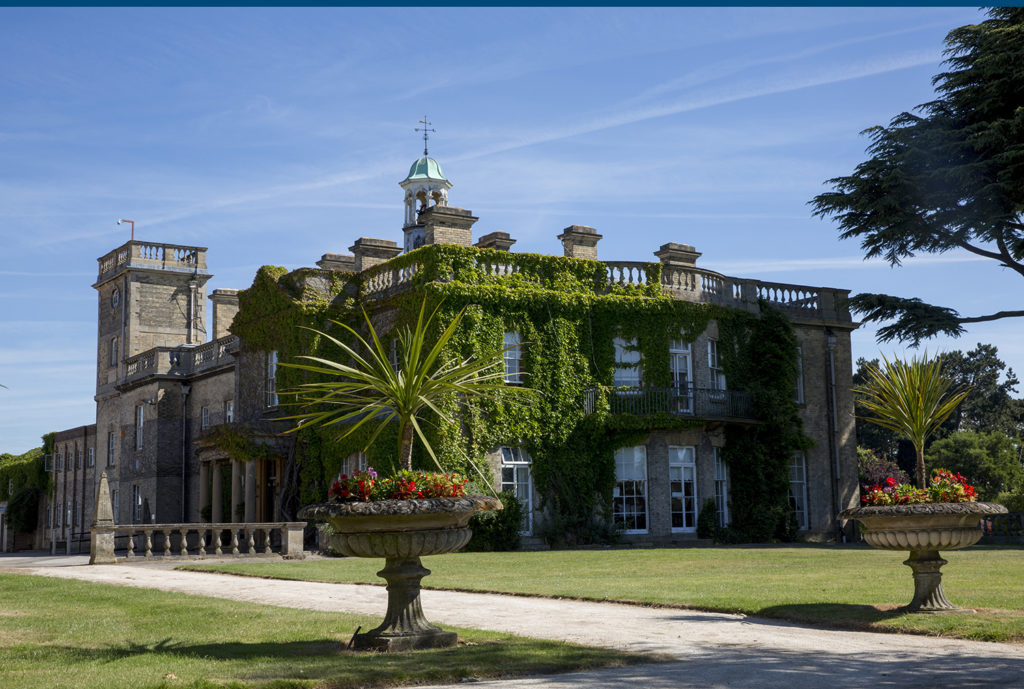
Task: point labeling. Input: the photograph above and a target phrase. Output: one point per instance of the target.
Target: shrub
(23, 510)
(497, 529)
(707, 520)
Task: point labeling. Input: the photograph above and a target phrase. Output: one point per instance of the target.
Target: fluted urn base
(401, 531)
(924, 530)
(404, 627)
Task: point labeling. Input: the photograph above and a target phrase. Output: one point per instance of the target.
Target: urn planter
(924, 529)
(401, 531)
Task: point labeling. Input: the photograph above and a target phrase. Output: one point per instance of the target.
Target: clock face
(115, 297)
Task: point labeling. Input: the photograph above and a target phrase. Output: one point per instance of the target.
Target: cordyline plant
(912, 398)
(365, 389)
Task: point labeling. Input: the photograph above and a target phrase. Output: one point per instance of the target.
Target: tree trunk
(405, 446)
(919, 468)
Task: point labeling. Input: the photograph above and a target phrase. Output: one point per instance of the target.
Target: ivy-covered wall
(23, 480)
(567, 319)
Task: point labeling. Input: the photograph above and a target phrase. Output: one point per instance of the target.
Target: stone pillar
(217, 511)
(447, 225)
(340, 262)
(225, 306)
(236, 488)
(580, 241)
(673, 254)
(369, 252)
(501, 241)
(250, 491)
(101, 539)
(204, 487)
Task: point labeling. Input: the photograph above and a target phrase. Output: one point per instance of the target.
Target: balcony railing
(179, 361)
(695, 402)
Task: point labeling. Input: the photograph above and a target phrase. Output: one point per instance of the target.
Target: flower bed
(944, 486)
(365, 486)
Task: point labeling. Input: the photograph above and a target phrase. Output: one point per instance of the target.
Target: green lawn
(69, 634)
(847, 586)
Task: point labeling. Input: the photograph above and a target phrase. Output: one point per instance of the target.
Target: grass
(58, 633)
(850, 587)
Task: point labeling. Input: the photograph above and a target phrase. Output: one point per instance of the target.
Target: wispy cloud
(789, 265)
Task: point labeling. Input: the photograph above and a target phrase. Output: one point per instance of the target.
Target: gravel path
(712, 650)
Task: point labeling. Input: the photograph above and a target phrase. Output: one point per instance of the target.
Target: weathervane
(425, 129)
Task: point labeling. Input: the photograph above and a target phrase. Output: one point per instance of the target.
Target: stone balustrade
(179, 361)
(384, 281)
(138, 254)
(202, 540)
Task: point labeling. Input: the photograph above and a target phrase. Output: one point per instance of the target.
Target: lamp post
(130, 222)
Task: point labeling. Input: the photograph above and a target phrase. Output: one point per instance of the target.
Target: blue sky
(277, 135)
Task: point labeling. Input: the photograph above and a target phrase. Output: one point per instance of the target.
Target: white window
(229, 411)
(10, 487)
(513, 358)
(60, 461)
(91, 455)
(717, 377)
(354, 463)
(629, 499)
(682, 479)
(628, 367)
(67, 517)
(78, 512)
(78, 459)
(515, 478)
(57, 514)
(271, 385)
(204, 418)
(114, 504)
(680, 363)
(798, 488)
(139, 419)
(137, 504)
(799, 375)
(110, 448)
(113, 351)
(49, 519)
(721, 488)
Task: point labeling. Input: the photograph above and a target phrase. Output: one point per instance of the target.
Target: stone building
(184, 418)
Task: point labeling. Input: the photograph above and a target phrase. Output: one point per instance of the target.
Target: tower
(424, 186)
(151, 303)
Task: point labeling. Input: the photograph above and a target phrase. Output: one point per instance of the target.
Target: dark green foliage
(990, 461)
(949, 178)
(760, 353)
(23, 510)
(707, 520)
(498, 529)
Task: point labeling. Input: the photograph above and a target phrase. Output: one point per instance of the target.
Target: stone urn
(401, 531)
(924, 529)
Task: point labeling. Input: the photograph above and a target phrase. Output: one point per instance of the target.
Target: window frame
(512, 356)
(229, 411)
(716, 376)
(270, 382)
(140, 425)
(204, 418)
(721, 474)
(111, 446)
(628, 362)
(798, 496)
(800, 375)
(678, 460)
(619, 497)
(518, 461)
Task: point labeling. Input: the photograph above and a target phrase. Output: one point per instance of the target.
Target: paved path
(712, 651)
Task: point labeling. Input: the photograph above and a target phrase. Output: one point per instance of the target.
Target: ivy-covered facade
(668, 402)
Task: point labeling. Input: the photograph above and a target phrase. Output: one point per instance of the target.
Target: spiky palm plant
(365, 389)
(911, 398)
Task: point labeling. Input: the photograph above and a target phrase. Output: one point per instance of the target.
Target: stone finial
(447, 225)
(369, 252)
(673, 254)
(495, 240)
(580, 241)
(345, 263)
(225, 307)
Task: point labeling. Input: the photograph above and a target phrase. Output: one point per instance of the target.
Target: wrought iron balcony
(695, 402)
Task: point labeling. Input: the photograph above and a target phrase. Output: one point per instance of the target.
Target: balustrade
(184, 540)
(696, 402)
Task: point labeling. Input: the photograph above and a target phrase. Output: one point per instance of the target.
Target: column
(204, 486)
(250, 491)
(236, 488)
(218, 492)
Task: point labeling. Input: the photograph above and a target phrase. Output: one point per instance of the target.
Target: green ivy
(567, 320)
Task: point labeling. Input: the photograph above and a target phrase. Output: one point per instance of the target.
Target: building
(647, 427)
